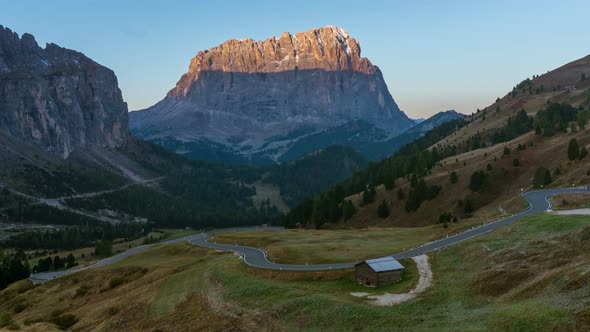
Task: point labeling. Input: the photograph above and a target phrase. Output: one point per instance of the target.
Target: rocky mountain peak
(328, 48)
(274, 100)
(57, 98)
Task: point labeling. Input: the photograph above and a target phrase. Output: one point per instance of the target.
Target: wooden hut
(379, 272)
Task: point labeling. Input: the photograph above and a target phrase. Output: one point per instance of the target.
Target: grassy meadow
(529, 276)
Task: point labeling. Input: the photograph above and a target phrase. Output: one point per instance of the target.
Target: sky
(434, 55)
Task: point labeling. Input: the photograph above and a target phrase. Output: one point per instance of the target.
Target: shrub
(468, 205)
(445, 218)
(583, 153)
(348, 209)
(64, 321)
(453, 177)
(83, 290)
(111, 311)
(542, 177)
(389, 183)
(477, 180)
(369, 195)
(516, 163)
(19, 307)
(573, 150)
(116, 282)
(383, 210)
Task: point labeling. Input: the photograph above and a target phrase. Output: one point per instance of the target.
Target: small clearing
(393, 299)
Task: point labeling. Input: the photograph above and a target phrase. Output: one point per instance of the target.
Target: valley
(279, 185)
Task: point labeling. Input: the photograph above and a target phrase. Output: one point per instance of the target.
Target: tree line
(74, 237)
(13, 267)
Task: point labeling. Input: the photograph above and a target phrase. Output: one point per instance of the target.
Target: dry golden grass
(120, 298)
(570, 201)
(531, 275)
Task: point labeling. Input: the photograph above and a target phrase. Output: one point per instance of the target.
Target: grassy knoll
(528, 276)
(300, 246)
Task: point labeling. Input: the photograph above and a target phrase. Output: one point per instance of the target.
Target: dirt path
(582, 212)
(393, 299)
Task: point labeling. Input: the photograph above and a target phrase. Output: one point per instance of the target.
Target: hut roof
(384, 264)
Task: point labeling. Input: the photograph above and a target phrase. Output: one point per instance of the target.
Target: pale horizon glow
(434, 56)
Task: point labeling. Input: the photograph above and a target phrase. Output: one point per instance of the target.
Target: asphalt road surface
(256, 257)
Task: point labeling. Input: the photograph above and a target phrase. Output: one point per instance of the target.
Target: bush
(83, 290)
(348, 209)
(573, 150)
(383, 210)
(477, 180)
(389, 183)
(19, 307)
(542, 177)
(453, 177)
(445, 218)
(516, 163)
(113, 311)
(583, 153)
(468, 205)
(116, 282)
(369, 195)
(64, 321)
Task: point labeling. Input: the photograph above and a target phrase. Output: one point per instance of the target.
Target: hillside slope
(566, 84)
(527, 276)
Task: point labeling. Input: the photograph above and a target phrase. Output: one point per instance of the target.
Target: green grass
(475, 287)
(331, 246)
(453, 303)
(177, 288)
(173, 233)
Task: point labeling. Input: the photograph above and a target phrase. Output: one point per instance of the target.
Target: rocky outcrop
(57, 98)
(258, 98)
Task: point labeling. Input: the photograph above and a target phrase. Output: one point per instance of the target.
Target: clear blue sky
(434, 55)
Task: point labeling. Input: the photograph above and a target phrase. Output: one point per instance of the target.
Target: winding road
(538, 202)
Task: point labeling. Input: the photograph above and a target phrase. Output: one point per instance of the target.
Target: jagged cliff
(255, 99)
(57, 98)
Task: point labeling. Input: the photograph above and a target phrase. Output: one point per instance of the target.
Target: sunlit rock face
(57, 98)
(248, 99)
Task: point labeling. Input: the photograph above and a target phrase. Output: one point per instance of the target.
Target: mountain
(380, 150)
(434, 121)
(249, 101)
(57, 98)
